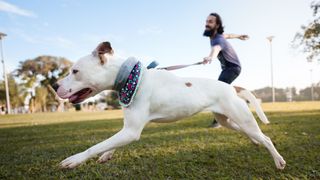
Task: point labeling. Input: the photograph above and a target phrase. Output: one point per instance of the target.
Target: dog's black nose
(55, 86)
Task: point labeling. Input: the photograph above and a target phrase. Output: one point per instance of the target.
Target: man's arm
(213, 54)
(233, 36)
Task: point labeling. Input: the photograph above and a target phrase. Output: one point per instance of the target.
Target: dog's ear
(103, 48)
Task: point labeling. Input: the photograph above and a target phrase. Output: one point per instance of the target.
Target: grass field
(33, 145)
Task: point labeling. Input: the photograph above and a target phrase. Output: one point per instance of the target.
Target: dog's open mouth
(80, 96)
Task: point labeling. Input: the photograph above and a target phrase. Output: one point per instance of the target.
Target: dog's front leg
(123, 137)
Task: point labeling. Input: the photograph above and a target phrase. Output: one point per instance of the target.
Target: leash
(154, 64)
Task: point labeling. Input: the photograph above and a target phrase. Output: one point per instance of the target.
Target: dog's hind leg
(226, 122)
(239, 112)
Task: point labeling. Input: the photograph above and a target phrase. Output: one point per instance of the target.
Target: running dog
(160, 96)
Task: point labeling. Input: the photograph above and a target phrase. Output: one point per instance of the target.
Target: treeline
(289, 94)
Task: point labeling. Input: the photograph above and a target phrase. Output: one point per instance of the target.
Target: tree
(16, 99)
(50, 67)
(265, 94)
(41, 98)
(305, 94)
(38, 74)
(112, 100)
(2, 92)
(309, 38)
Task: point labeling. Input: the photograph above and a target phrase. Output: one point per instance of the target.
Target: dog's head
(89, 75)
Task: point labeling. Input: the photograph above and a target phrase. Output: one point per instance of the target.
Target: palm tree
(37, 75)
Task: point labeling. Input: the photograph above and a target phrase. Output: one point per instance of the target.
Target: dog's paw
(73, 161)
(280, 163)
(105, 157)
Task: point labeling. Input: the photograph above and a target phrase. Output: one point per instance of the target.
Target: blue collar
(128, 80)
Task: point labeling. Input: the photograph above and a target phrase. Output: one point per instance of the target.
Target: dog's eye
(74, 71)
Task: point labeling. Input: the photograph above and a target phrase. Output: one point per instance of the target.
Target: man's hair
(220, 29)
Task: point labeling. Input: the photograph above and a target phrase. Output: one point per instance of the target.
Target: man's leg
(227, 75)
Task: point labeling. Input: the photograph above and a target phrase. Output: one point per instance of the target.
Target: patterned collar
(128, 80)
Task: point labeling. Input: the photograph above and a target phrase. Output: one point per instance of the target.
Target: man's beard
(208, 32)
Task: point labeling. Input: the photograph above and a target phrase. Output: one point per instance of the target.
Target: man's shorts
(229, 74)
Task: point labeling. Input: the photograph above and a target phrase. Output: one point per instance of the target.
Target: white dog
(160, 96)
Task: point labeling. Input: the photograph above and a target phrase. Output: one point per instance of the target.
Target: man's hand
(243, 37)
(207, 60)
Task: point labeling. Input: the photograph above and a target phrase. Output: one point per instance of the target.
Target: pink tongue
(73, 97)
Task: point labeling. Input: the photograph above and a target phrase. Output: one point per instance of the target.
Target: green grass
(183, 150)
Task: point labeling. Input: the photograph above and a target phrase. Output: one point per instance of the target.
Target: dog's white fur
(163, 97)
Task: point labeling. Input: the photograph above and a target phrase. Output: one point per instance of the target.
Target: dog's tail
(248, 96)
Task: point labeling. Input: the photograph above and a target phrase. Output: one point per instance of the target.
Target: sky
(167, 31)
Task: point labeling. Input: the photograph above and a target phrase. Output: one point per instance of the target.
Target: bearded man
(222, 49)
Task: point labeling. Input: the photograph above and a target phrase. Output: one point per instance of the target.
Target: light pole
(312, 90)
(309, 60)
(2, 35)
(271, 68)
